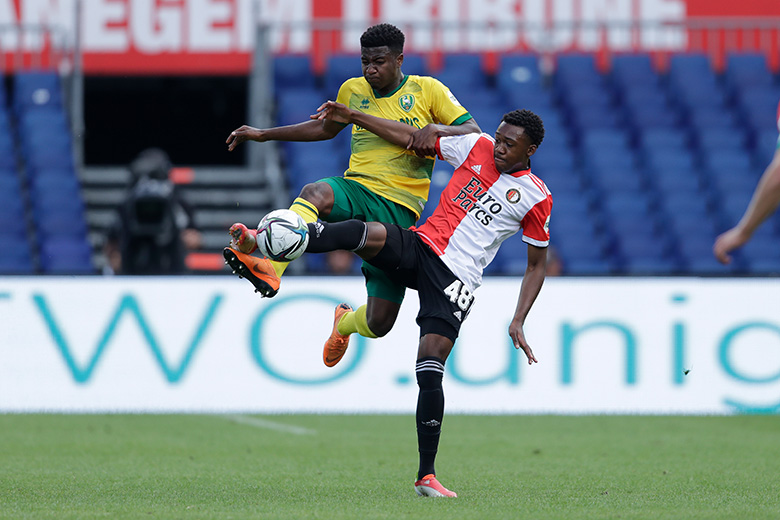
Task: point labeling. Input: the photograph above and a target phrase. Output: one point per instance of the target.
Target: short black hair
(534, 128)
(384, 34)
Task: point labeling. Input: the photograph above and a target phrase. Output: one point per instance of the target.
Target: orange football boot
(258, 271)
(337, 343)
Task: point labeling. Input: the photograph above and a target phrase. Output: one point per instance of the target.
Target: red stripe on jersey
(459, 196)
(534, 221)
(538, 182)
(438, 148)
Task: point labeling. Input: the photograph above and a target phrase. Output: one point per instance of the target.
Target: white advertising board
(209, 344)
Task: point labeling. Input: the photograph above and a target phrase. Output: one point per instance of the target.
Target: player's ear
(531, 150)
(399, 60)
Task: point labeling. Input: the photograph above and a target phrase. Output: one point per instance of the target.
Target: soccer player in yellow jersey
(384, 182)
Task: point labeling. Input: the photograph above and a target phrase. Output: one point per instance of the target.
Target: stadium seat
(65, 255)
(414, 64)
(15, 256)
(764, 149)
(297, 104)
(518, 72)
(340, 67)
(576, 69)
(635, 70)
(462, 73)
(293, 71)
(746, 70)
(36, 90)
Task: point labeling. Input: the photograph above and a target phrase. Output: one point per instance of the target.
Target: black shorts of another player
(444, 299)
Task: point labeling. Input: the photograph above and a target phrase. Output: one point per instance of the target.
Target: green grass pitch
(362, 467)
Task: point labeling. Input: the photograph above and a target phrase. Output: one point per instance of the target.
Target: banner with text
(676, 346)
(217, 36)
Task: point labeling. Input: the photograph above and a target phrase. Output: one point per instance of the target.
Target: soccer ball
(282, 235)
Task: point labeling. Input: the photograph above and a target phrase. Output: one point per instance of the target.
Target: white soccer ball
(282, 235)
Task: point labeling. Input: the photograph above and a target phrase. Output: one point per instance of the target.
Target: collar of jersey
(520, 173)
(403, 81)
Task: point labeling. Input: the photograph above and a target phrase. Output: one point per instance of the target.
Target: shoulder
(427, 82)
(357, 84)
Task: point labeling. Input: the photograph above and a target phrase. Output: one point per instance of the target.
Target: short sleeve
(536, 224)
(445, 107)
(456, 148)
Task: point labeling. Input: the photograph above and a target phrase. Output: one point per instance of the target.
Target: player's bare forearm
(305, 131)
(765, 199)
(391, 131)
(529, 290)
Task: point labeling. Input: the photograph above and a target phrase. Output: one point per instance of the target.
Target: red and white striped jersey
(480, 208)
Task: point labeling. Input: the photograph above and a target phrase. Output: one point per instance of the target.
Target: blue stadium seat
(15, 256)
(676, 181)
(656, 138)
(765, 148)
(678, 160)
(590, 95)
(596, 117)
(36, 90)
(293, 71)
(619, 180)
(732, 161)
(690, 67)
(296, 105)
(746, 70)
(646, 96)
(630, 71)
(577, 69)
(720, 138)
(340, 67)
(518, 72)
(640, 116)
(64, 255)
(462, 73)
(606, 138)
(414, 64)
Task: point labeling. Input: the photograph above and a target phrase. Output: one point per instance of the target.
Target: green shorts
(353, 200)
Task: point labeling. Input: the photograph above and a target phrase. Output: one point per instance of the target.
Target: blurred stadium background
(660, 117)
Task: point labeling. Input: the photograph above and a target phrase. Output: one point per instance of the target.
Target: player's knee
(318, 194)
(380, 325)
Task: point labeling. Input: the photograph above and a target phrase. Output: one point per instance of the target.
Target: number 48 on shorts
(460, 294)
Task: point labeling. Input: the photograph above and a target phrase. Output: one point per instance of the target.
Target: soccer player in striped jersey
(385, 182)
(492, 195)
(764, 202)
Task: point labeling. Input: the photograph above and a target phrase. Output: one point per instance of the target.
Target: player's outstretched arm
(423, 141)
(306, 131)
(392, 131)
(529, 290)
(765, 200)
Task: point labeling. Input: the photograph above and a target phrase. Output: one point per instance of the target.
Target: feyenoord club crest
(406, 102)
(513, 196)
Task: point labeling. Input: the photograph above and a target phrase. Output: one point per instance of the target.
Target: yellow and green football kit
(391, 171)
(385, 182)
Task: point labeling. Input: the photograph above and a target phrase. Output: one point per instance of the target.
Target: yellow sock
(355, 321)
(309, 214)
